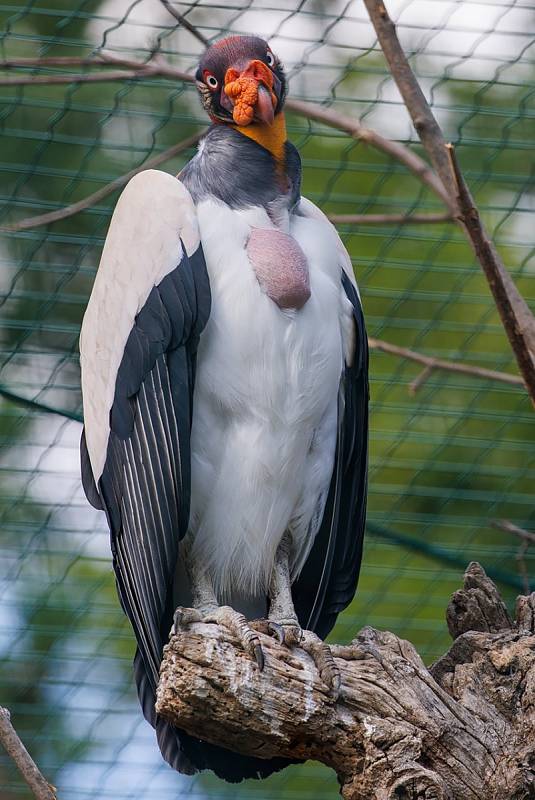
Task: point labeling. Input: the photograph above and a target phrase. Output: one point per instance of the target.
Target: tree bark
(463, 729)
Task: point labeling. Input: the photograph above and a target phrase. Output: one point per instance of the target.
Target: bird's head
(241, 81)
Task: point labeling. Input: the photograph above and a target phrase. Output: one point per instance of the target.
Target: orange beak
(251, 93)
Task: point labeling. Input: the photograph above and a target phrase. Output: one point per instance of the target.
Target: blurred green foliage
(443, 463)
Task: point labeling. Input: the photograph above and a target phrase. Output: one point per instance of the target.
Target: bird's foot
(228, 618)
(289, 633)
(321, 654)
(286, 631)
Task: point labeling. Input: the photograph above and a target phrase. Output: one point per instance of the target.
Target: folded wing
(150, 302)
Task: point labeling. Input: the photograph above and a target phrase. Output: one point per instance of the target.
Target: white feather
(153, 213)
(310, 211)
(265, 403)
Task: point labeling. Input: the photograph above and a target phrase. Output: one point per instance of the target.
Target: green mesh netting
(445, 462)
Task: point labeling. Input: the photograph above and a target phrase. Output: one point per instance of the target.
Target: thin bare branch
(420, 379)
(92, 199)
(374, 344)
(517, 319)
(510, 527)
(100, 194)
(527, 538)
(390, 219)
(156, 65)
(185, 23)
(99, 59)
(431, 363)
(423, 119)
(88, 77)
(27, 767)
(354, 128)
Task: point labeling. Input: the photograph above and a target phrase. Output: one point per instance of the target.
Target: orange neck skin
(272, 137)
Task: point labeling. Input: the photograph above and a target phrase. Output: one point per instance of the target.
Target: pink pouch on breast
(280, 266)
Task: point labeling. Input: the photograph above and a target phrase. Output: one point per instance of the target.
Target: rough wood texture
(462, 730)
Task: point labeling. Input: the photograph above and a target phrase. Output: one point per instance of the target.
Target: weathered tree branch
(157, 67)
(431, 363)
(462, 730)
(390, 219)
(87, 77)
(423, 119)
(41, 789)
(510, 527)
(185, 23)
(517, 319)
(160, 67)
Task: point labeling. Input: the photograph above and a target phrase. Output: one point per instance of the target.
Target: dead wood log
(462, 730)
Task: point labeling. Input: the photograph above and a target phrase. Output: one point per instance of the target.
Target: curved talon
(336, 684)
(322, 656)
(259, 656)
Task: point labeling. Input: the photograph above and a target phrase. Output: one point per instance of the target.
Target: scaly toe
(287, 633)
(183, 617)
(238, 625)
(321, 654)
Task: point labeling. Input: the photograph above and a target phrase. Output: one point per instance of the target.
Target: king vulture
(225, 390)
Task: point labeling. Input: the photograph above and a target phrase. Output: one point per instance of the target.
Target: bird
(224, 374)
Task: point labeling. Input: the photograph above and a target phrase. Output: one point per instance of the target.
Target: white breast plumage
(265, 410)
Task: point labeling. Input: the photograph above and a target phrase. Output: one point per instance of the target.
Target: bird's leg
(282, 619)
(207, 609)
(283, 622)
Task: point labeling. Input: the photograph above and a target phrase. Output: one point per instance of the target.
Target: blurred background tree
(444, 463)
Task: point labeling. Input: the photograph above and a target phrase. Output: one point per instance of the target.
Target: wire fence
(450, 453)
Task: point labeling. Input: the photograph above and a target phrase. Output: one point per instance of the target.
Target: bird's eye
(212, 81)
(270, 58)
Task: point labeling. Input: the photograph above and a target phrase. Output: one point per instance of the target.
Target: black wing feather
(329, 578)
(145, 485)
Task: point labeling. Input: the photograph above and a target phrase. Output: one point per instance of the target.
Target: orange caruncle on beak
(251, 92)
